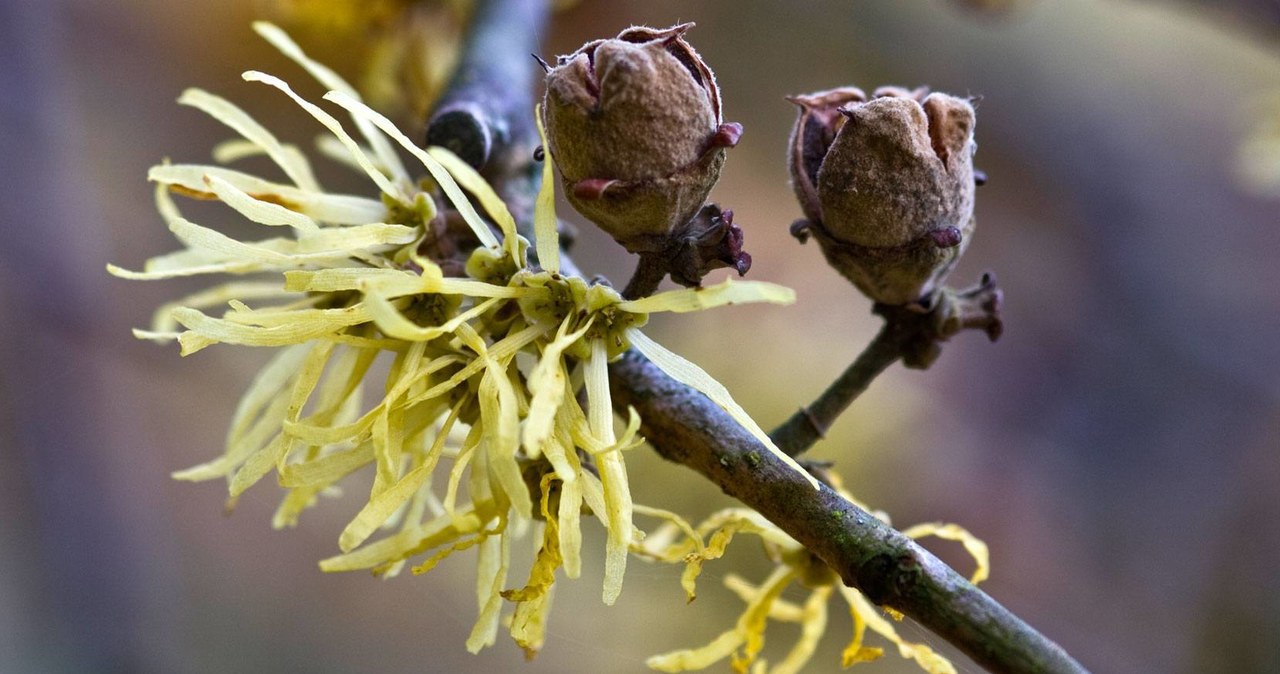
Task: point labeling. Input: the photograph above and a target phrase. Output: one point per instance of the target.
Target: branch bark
(686, 427)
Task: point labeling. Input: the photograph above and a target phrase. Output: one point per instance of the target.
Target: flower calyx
(708, 242)
(886, 184)
(634, 123)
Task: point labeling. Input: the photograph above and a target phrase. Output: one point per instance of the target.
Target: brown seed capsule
(886, 184)
(634, 125)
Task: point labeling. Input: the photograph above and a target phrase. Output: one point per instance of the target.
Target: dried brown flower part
(886, 185)
(634, 125)
(710, 241)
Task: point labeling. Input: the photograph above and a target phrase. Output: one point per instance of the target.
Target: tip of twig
(463, 130)
(800, 229)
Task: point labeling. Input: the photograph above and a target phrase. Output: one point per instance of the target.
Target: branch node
(818, 426)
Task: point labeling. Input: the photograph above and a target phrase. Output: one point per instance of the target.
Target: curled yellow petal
(691, 549)
(954, 532)
(813, 624)
(343, 209)
(781, 609)
(548, 381)
(925, 657)
(752, 622)
(257, 210)
(294, 165)
(499, 414)
(855, 652)
(371, 236)
(328, 469)
(714, 549)
(407, 543)
(533, 602)
(386, 185)
(491, 575)
(743, 643)
(691, 659)
(307, 326)
(386, 155)
(570, 527)
(394, 324)
(472, 182)
(381, 507)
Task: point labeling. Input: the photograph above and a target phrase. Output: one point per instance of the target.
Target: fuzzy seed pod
(886, 184)
(634, 125)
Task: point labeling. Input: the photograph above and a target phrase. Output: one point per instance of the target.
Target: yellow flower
(677, 542)
(485, 369)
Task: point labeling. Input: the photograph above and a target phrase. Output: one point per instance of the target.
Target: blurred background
(1117, 448)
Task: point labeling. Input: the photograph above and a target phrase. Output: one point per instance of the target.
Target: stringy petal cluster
(474, 436)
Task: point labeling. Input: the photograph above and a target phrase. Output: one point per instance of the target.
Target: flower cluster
(678, 542)
(477, 434)
(493, 421)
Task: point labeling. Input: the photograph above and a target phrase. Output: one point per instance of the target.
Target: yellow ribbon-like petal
(382, 149)
(294, 165)
(472, 182)
(954, 532)
(438, 172)
(725, 293)
(613, 474)
(545, 227)
(693, 376)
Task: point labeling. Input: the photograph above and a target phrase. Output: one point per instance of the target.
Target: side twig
(912, 333)
(650, 270)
